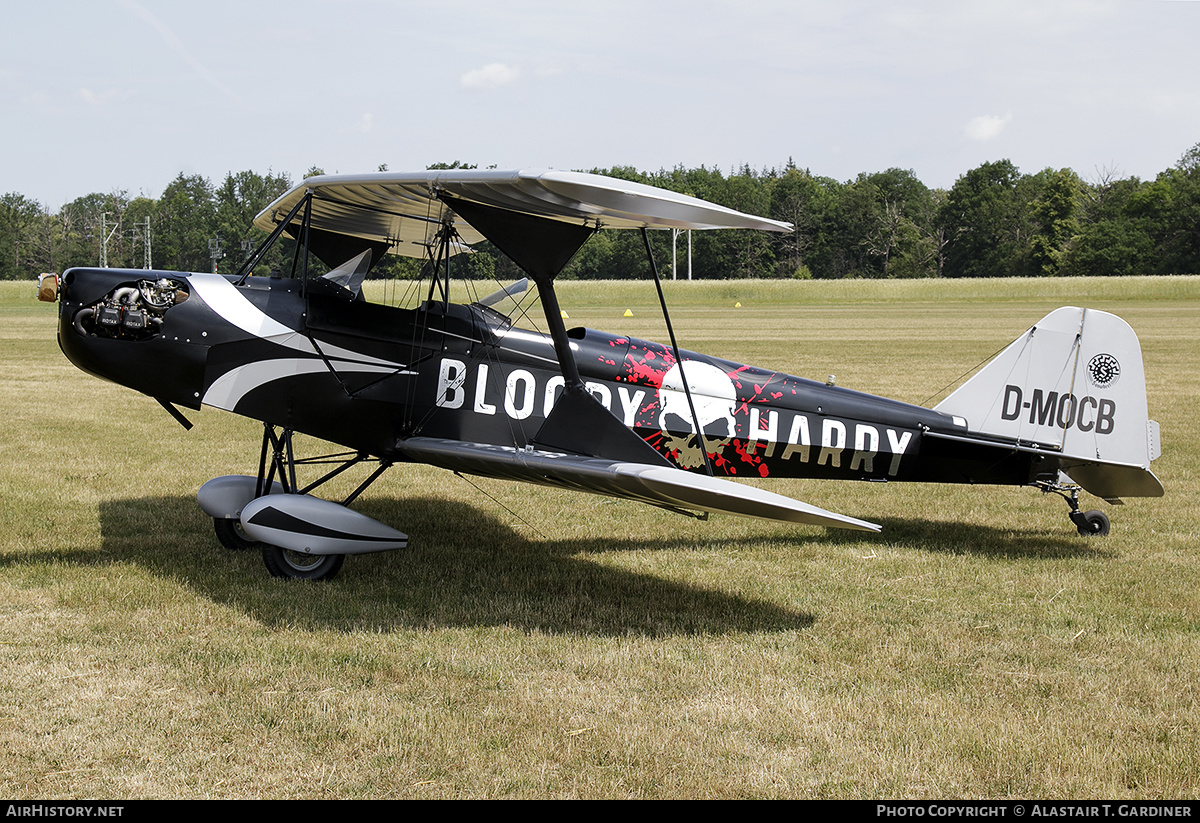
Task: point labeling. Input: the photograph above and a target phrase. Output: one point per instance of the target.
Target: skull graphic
(714, 397)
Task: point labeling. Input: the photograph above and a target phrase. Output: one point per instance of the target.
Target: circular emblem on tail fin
(1103, 370)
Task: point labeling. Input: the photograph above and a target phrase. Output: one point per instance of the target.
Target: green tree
(793, 198)
(18, 214)
(858, 219)
(980, 222)
(237, 202)
(1177, 228)
(93, 229)
(186, 221)
(1112, 240)
(901, 215)
(1110, 248)
(1055, 217)
(751, 252)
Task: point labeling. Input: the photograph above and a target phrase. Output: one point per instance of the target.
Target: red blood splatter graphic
(722, 465)
(753, 459)
(646, 365)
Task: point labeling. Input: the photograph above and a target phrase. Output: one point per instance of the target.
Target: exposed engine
(131, 312)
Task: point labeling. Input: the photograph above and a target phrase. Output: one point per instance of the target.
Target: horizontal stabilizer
(658, 485)
(1113, 481)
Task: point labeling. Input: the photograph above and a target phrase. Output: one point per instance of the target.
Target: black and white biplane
(460, 386)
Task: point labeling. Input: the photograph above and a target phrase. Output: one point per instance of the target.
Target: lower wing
(658, 485)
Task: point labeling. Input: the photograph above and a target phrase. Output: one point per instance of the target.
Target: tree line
(995, 221)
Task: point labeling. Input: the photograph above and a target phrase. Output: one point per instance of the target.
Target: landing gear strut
(277, 474)
(1092, 523)
(282, 465)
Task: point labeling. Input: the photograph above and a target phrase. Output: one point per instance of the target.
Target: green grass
(592, 648)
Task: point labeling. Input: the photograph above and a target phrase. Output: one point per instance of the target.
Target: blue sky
(108, 95)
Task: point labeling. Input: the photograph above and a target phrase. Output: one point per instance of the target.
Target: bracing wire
(484, 492)
(959, 379)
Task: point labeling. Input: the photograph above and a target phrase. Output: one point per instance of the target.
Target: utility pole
(674, 237)
(146, 249)
(214, 252)
(105, 236)
(141, 232)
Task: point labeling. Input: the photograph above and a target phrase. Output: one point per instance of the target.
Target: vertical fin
(1074, 382)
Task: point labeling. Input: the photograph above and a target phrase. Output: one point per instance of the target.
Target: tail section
(1074, 385)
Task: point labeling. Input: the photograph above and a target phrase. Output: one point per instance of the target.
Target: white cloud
(986, 126)
(364, 123)
(491, 76)
(95, 98)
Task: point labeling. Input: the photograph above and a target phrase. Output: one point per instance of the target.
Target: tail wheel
(1093, 523)
(292, 565)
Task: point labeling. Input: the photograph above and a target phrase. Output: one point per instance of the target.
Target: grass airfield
(537, 643)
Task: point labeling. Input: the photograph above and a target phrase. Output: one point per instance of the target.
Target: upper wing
(402, 210)
(658, 485)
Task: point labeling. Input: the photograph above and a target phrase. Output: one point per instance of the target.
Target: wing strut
(662, 301)
(446, 235)
(541, 248)
(252, 261)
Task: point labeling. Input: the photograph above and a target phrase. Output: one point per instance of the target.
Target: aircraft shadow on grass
(981, 540)
(471, 570)
(466, 568)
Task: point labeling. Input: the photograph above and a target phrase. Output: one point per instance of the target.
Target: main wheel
(229, 532)
(292, 565)
(1093, 524)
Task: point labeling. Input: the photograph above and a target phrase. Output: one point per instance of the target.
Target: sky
(125, 95)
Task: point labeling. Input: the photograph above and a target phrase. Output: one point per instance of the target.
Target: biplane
(461, 386)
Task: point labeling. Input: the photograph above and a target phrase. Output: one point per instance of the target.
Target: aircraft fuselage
(368, 376)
